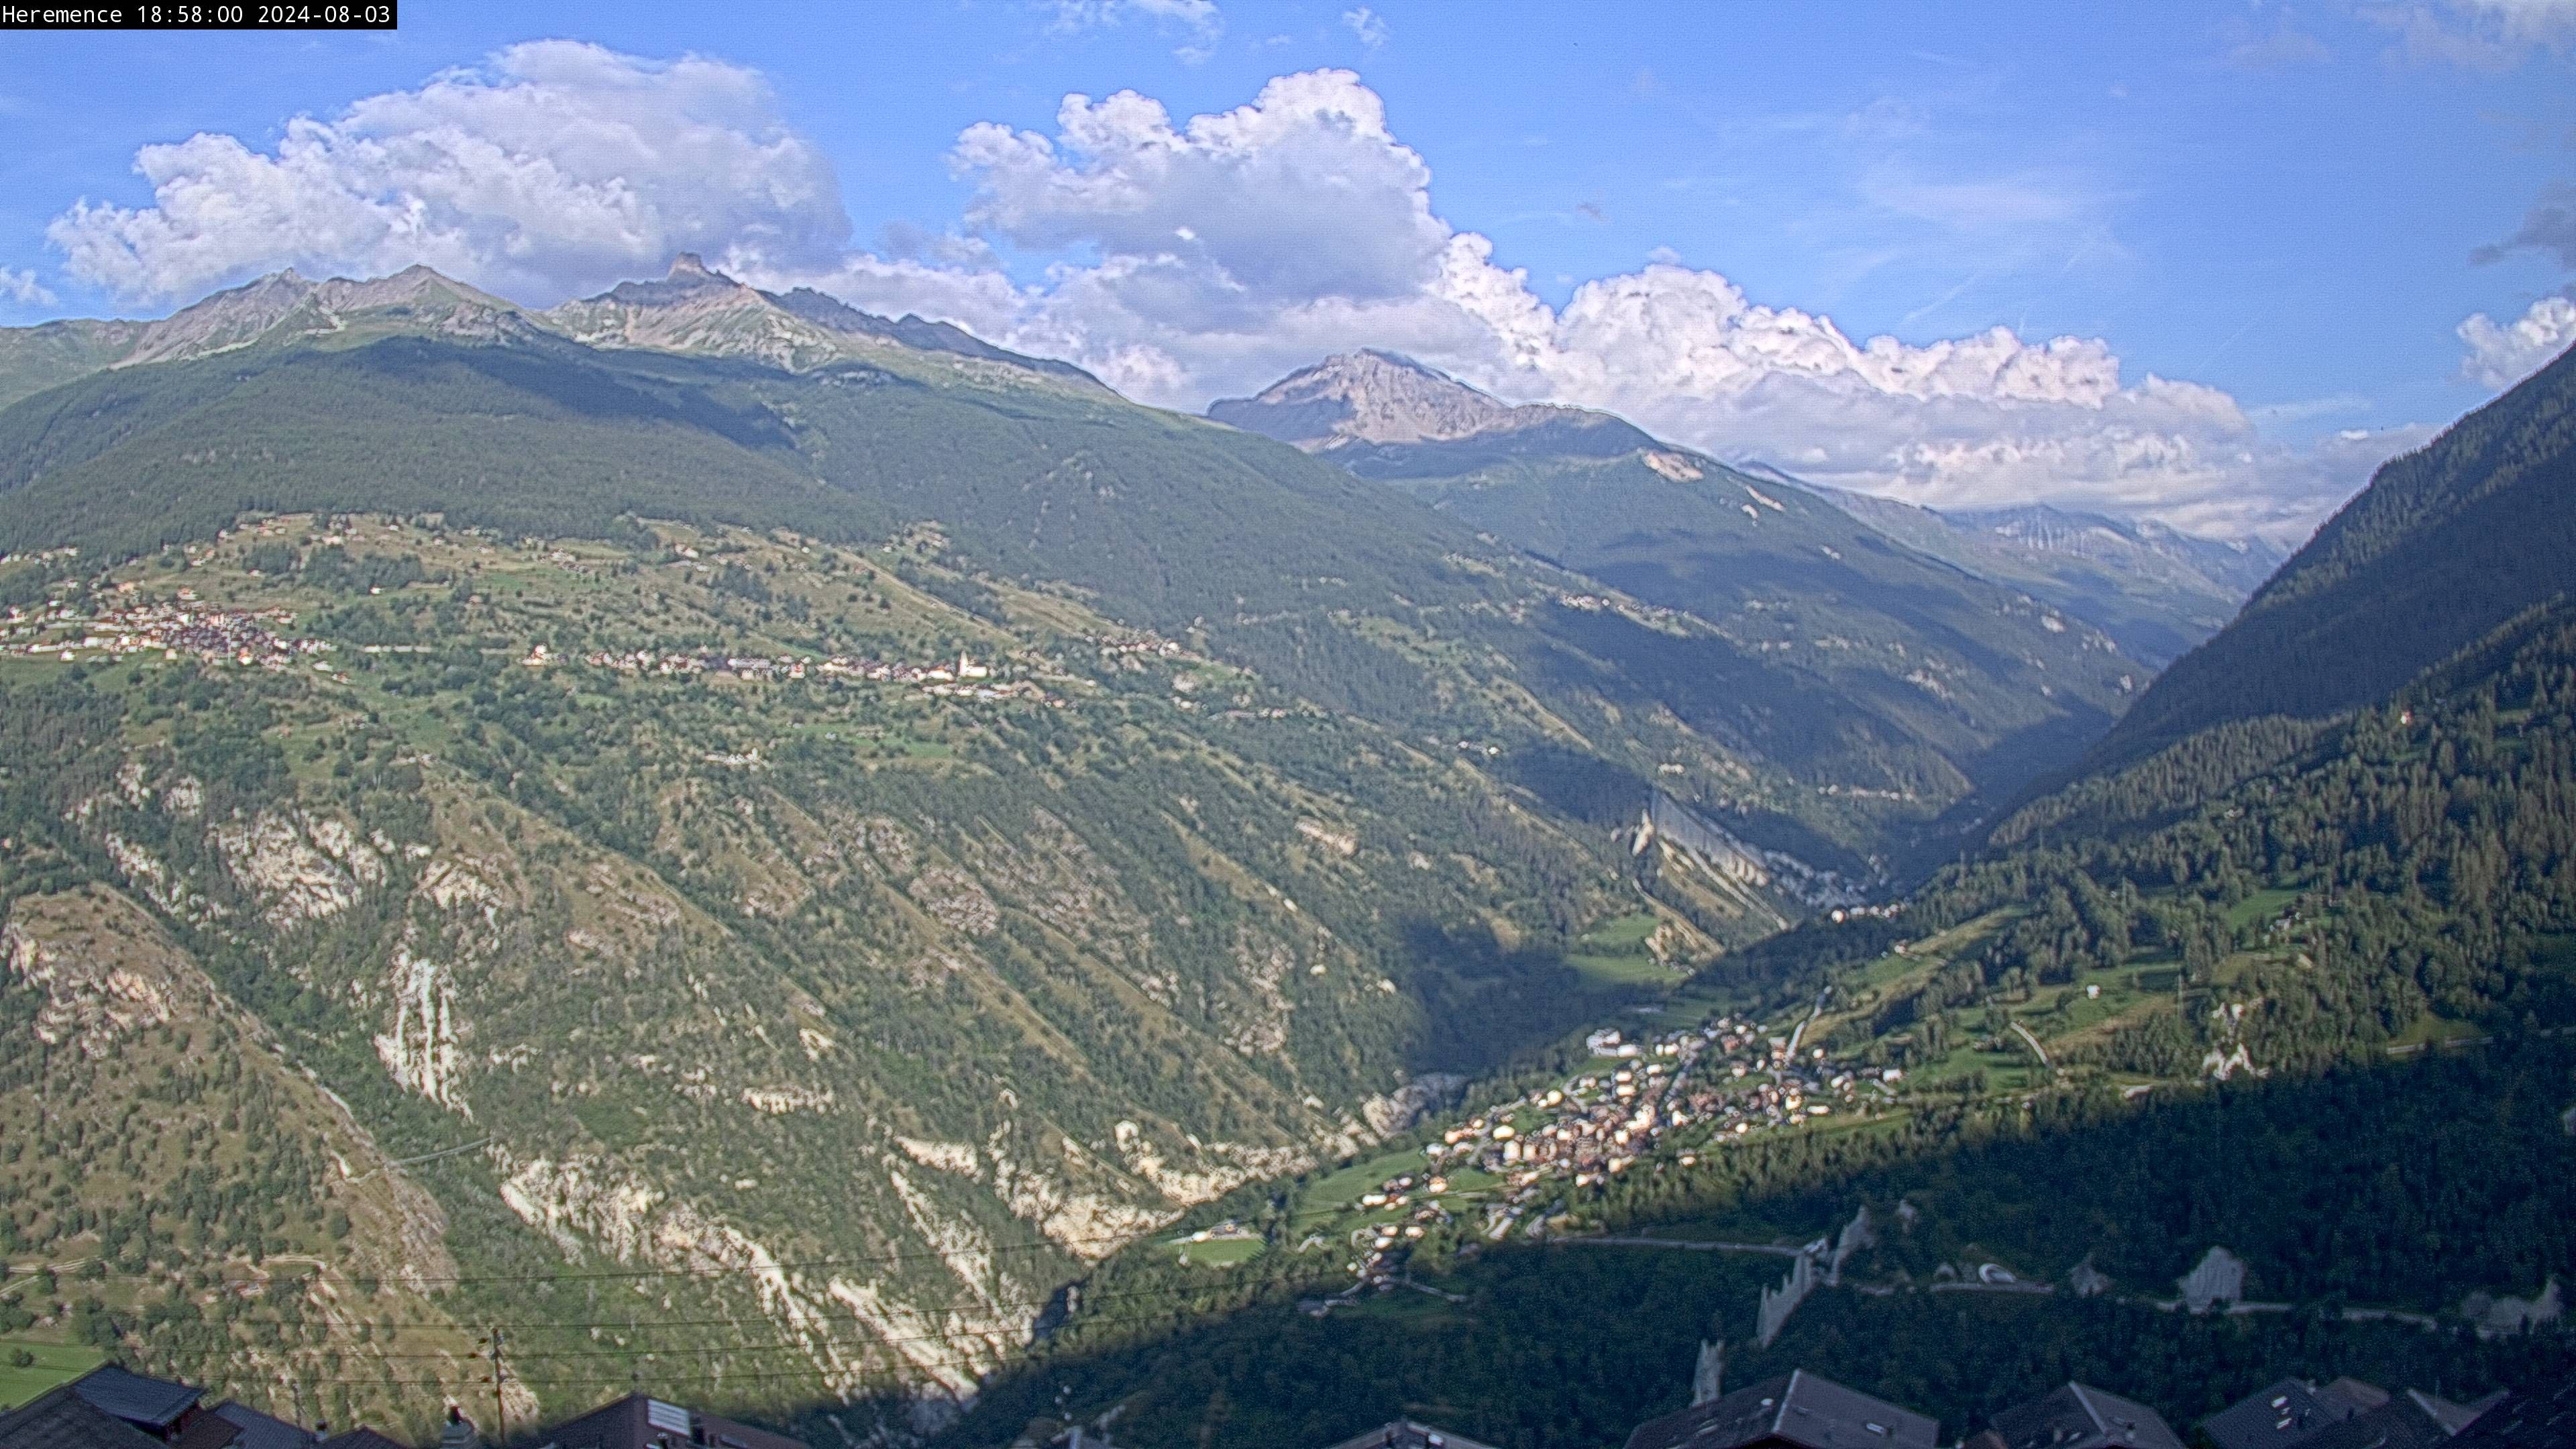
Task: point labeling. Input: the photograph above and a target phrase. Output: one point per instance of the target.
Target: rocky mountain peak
(1375, 398)
(1367, 396)
(690, 280)
(287, 303)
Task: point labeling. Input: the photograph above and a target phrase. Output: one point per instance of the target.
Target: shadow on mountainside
(2414, 1185)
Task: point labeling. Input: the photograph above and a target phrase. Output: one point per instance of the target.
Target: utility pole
(500, 1412)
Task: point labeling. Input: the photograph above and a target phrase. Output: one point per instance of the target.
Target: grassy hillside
(636, 939)
(1333, 590)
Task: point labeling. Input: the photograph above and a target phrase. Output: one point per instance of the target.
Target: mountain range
(2156, 591)
(692, 310)
(2008, 639)
(521, 783)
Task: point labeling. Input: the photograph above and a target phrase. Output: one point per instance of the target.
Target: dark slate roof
(2362, 1396)
(2455, 1417)
(261, 1431)
(2279, 1416)
(1796, 1408)
(63, 1419)
(640, 1421)
(1406, 1434)
(2541, 1417)
(723, 1433)
(621, 1424)
(151, 1403)
(2409, 1421)
(205, 1431)
(2081, 1417)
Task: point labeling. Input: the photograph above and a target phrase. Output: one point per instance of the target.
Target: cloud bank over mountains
(558, 168)
(1184, 260)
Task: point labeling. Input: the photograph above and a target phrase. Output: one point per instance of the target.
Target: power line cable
(477, 1375)
(904, 1255)
(642, 1325)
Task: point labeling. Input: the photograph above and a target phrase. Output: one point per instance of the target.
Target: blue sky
(2296, 208)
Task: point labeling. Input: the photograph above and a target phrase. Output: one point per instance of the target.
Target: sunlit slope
(643, 941)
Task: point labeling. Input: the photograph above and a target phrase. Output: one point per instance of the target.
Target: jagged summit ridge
(699, 310)
(287, 304)
(1374, 396)
(692, 309)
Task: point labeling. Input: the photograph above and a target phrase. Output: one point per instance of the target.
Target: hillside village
(146, 620)
(180, 626)
(1673, 1094)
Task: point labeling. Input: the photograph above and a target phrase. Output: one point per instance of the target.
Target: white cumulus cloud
(556, 168)
(22, 288)
(2501, 354)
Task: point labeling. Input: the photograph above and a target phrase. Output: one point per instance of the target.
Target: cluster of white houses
(157, 628)
(1697, 1090)
(1690, 1092)
(962, 679)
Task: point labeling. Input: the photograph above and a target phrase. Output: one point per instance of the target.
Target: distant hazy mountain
(2004, 685)
(2445, 544)
(2154, 589)
(1379, 408)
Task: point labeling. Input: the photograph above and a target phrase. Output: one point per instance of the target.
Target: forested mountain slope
(1573, 1343)
(2298, 989)
(850, 1008)
(2002, 685)
(2317, 1018)
(2445, 544)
